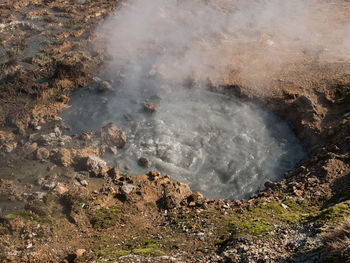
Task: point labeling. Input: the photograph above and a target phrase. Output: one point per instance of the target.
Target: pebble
(127, 188)
(84, 183)
(284, 206)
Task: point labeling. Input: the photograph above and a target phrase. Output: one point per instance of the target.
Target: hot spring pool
(218, 145)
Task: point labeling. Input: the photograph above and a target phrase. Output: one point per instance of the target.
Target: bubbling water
(218, 145)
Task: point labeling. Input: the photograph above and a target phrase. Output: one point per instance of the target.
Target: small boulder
(93, 164)
(104, 86)
(127, 188)
(150, 107)
(42, 153)
(112, 136)
(144, 162)
(30, 148)
(60, 189)
(63, 157)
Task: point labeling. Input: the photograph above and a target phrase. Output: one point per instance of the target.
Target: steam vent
(174, 131)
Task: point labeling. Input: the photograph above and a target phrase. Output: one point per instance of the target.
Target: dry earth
(59, 202)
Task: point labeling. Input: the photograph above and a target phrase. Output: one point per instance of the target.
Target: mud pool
(218, 145)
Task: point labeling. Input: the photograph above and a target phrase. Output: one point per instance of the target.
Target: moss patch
(105, 218)
(148, 251)
(29, 216)
(331, 214)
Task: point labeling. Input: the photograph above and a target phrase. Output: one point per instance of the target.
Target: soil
(59, 202)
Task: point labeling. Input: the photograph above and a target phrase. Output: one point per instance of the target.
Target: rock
(298, 192)
(64, 99)
(9, 147)
(57, 131)
(94, 163)
(111, 135)
(153, 175)
(113, 149)
(284, 206)
(29, 149)
(80, 252)
(85, 136)
(144, 162)
(42, 153)
(150, 107)
(168, 202)
(84, 183)
(49, 185)
(113, 172)
(105, 86)
(269, 184)
(192, 204)
(127, 188)
(63, 157)
(317, 193)
(60, 189)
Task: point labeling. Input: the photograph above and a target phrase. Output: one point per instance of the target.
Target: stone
(9, 147)
(192, 204)
(127, 188)
(85, 136)
(113, 150)
(150, 107)
(63, 157)
(152, 175)
(169, 202)
(94, 163)
(284, 206)
(144, 162)
(317, 193)
(111, 135)
(269, 184)
(113, 172)
(42, 153)
(105, 86)
(84, 183)
(60, 189)
(57, 131)
(80, 252)
(49, 185)
(29, 149)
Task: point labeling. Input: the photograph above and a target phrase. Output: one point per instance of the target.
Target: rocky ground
(60, 202)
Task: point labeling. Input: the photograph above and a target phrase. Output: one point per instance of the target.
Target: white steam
(201, 39)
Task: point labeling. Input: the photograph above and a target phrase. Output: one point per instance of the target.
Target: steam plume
(201, 39)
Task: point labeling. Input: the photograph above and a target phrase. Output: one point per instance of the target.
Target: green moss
(332, 213)
(21, 213)
(342, 93)
(29, 216)
(105, 218)
(42, 56)
(149, 250)
(252, 226)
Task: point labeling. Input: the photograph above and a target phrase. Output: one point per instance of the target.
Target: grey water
(220, 146)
